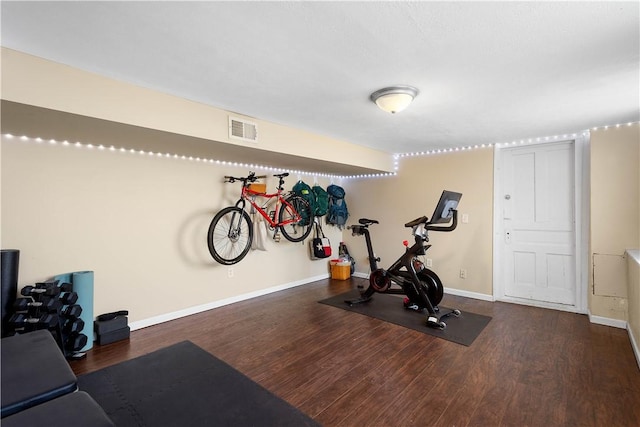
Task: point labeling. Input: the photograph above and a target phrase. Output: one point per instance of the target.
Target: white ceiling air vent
(242, 129)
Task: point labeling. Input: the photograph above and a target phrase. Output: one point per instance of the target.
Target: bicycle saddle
(282, 175)
(365, 221)
(417, 221)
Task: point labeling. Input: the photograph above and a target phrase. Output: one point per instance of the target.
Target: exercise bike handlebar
(424, 221)
(451, 227)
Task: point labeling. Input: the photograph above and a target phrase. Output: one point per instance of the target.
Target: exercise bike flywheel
(379, 280)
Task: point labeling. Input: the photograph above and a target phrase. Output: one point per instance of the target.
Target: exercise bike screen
(448, 202)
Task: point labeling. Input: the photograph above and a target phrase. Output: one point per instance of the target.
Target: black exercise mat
(462, 330)
(183, 385)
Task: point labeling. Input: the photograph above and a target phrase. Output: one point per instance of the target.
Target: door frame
(581, 226)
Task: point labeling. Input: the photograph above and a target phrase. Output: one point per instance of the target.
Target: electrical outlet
(465, 218)
(429, 262)
(230, 272)
(463, 273)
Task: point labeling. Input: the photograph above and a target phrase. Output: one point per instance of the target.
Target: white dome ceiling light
(395, 98)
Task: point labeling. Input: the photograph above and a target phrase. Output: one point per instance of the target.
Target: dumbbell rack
(52, 305)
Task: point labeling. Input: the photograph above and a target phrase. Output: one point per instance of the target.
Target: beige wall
(34, 81)
(615, 216)
(414, 192)
(139, 222)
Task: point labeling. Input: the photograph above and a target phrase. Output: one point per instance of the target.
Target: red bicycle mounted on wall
(231, 230)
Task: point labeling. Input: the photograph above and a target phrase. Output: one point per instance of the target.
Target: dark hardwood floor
(529, 367)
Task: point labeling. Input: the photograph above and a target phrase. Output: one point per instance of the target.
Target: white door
(538, 224)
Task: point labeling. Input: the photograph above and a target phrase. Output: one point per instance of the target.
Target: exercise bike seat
(365, 221)
(417, 221)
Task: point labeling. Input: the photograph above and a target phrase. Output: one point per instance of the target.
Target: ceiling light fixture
(395, 98)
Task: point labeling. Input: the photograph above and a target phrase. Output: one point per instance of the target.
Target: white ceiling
(487, 72)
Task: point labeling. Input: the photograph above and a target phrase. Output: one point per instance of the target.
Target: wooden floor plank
(529, 367)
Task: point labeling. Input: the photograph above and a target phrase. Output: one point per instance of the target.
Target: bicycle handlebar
(250, 178)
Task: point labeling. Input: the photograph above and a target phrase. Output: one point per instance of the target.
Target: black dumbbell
(48, 289)
(75, 342)
(66, 287)
(50, 304)
(69, 298)
(73, 310)
(72, 326)
(48, 320)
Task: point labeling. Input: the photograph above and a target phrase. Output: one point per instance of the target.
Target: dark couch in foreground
(39, 387)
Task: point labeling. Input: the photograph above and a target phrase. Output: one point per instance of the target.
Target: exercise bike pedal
(410, 305)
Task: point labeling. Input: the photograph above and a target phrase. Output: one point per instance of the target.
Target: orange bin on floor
(340, 270)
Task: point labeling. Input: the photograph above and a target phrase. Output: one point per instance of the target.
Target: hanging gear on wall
(319, 246)
(338, 212)
(322, 200)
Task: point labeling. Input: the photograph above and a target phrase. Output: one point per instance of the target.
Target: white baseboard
(215, 304)
(361, 275)
(634, 345)
(606, 321)
(468, 294)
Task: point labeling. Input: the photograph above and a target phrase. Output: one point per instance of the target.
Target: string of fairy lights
(164, 155)
(396, 157)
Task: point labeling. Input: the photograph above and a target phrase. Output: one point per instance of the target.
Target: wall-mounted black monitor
(448, 202)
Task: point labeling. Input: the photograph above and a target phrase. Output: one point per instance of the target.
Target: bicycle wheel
(230, 235)
(433, 285)
(296, 231)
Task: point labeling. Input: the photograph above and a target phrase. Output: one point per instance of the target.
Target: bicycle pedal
(276, 237)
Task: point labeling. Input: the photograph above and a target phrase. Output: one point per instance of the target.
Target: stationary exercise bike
(422, 287)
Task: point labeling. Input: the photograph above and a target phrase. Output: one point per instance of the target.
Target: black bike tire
(216, 253)
(435, 289)
(299, 203)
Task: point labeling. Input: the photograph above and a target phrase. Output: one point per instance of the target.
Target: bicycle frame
(249, 195)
